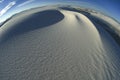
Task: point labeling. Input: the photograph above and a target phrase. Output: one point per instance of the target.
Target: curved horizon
(60, 43)
(110, 8)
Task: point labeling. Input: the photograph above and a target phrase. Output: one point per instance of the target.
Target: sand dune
(55, 43)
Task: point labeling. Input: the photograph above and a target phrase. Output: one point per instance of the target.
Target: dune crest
(59, 44)
(24, 23)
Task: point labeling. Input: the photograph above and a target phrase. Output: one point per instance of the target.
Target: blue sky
(9, 7)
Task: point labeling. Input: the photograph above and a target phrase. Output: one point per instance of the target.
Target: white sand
(72, 48)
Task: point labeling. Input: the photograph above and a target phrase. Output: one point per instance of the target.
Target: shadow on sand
(32, 22)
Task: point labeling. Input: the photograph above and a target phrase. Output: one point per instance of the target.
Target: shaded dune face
(58, 44)
(24, 23)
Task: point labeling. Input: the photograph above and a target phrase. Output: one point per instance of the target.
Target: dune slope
(58, 44)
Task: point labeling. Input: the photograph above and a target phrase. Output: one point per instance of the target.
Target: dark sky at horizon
(9, 7)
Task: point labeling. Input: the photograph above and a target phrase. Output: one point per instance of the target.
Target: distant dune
(60, 43)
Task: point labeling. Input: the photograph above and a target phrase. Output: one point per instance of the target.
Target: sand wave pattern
(60, 43)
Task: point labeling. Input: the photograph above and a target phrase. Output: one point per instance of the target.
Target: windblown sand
(54, 43)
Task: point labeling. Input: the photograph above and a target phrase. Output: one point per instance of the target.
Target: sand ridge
(55, 43)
